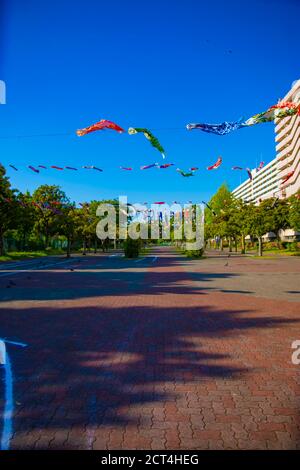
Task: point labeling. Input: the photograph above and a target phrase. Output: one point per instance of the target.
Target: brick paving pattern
(163, 353)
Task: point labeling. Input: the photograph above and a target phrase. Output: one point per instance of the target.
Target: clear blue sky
(158, 64)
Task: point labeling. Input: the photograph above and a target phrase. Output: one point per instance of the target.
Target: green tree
(294, 212)
(82, 225)
(26, 217)
(240, 218)
(68, 225)
(217, 219)
(279, 215)
(260, 221)
(49, 200)
(8, 206)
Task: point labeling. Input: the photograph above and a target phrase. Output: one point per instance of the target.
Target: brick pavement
(171, 354)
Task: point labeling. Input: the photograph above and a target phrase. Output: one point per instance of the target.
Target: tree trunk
(68, 247)
(1, 244)
(260, 247)
(84, 247)
(23, 241)
(46, 233)
(235, 245)
(95, 245)
(221, 244)
(230, 245)
(279, 245)
(243, 250)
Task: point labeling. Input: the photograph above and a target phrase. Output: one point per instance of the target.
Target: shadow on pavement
(90, 366)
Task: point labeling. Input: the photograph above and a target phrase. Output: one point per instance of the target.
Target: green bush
(132, 248)
(293, 246)
(270, 246)
(194, 253)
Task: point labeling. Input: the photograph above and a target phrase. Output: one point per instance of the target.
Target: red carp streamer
(288, 176)
(261, 164)
(215, 165)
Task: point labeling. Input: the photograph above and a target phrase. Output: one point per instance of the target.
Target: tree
(94, 220)
(294, 212)
(233, 228)
(240, 222)
(68, 225)
(8, 206)
(260, 221)
(26, 217)
(217, 219)
(49, 200)
(85, 224)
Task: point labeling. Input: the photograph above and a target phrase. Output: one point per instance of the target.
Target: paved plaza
(158, 353)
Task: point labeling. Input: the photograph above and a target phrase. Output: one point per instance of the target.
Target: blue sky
(158, 64)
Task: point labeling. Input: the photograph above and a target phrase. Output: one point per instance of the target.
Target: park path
(160, 352)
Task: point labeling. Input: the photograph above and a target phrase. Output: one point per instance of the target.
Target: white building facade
(269, 181)
(287, 139)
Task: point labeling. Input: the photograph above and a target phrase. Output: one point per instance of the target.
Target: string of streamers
(183, 173)
(278, 111)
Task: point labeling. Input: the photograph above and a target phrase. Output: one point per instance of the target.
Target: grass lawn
(18, 255)
(273, 253)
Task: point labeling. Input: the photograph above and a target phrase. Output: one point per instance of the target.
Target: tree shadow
(75, 285)
(89, 366)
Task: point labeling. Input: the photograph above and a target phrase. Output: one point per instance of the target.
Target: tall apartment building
(287, 139)
(268, 182)
(264, 184)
